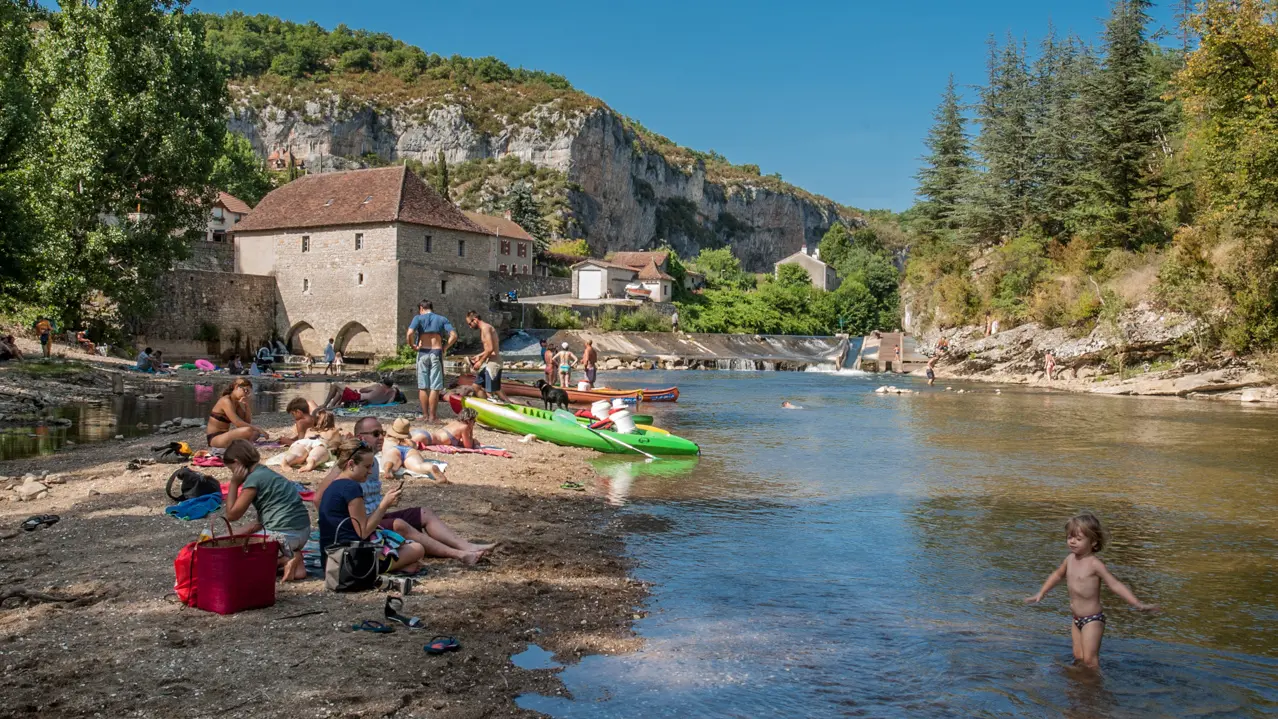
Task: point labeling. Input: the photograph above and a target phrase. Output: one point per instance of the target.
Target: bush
(406, 356)
(645, 319)
(572, 248)
(557, 318)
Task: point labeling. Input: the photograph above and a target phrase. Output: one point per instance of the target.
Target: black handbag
(192, 485)
(351, 567)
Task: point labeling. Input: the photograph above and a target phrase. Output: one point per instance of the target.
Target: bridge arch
(302, 339)
(354, 340)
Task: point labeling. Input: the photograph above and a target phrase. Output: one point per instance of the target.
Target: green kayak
(543, 425)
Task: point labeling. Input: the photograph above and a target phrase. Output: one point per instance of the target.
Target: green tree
(999, 199)
(947, 168)
(441, 176)
(18, 114)
(131, 117)
(722, 269)
(1061, 140)
(526, 213)
(835, 244)
(1128, 111)
(240, 171)
(793, 275)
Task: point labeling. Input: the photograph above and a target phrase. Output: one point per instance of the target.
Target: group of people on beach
(559, 365)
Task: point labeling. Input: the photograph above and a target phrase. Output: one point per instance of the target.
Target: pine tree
(999, 199)
(441, 174)
(526, 213)
(1061, 143)
(1128, 111)
(948, 164)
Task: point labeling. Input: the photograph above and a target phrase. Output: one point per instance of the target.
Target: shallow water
(869, 556)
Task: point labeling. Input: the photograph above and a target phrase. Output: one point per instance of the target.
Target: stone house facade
(822, 275)
(352, 253)
(514, 251)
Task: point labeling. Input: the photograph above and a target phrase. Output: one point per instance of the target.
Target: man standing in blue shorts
(426, 335)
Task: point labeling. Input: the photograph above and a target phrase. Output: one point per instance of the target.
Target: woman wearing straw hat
(400, 451)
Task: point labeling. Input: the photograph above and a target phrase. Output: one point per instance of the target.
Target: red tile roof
(357, 197)
(233, 203)
(639, 260)
(605, 263)
(499, 226)
(652, 273)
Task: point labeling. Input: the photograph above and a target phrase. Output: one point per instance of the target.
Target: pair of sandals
(40, 521)
(439, 644)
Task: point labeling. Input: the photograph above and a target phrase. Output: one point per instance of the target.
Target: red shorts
(412, 515)
(350, 395)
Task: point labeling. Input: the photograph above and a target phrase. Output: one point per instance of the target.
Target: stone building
(514, 251)
(353, 252)
(822, 275)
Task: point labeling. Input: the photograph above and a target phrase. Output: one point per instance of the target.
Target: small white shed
(595, 279)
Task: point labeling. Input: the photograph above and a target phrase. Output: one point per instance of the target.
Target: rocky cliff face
(624, 194)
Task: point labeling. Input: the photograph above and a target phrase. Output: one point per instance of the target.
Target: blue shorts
(490, 377)
(430, 370)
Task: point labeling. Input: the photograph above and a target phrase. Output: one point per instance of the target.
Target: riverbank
(120, 646)
(1137, 355)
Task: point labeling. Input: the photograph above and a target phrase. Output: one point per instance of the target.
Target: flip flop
(575, 486)
(40, 521)
(393, 605)
(372, 626)
(441, 644)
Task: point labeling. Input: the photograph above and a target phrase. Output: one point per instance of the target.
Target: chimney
(507, 213)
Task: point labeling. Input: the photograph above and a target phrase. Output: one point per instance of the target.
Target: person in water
(931, 370)
(1083, 573)
(789, 405)
(565, 360)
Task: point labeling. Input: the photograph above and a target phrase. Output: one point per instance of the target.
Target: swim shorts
(430, 370)
(490, 377)
(349, 395)
(931, 374)
(590, 375)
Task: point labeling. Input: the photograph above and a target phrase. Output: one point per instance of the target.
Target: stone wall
(528, 285)
(241, 307)
(209, 256)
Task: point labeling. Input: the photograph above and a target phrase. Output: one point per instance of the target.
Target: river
(870, 554)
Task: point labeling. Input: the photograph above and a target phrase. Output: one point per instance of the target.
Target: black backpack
(192, 484)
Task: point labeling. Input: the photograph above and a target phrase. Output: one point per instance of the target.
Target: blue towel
(197, 508)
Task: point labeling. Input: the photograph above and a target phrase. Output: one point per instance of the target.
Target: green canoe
(543, 425)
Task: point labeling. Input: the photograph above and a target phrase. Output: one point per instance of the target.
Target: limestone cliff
(626, 189)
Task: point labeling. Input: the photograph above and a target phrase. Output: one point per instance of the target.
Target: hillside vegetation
(1080, 180)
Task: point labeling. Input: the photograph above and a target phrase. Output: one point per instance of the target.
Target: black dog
(551, 395)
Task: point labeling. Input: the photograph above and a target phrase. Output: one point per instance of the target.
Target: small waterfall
(735, 364)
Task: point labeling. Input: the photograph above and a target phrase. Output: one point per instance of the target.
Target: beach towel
(267, 444)
(207, 460)
(443, 466)
(490, 451)
(197, 508)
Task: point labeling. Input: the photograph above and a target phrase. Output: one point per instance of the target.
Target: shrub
(645, 319)
(406, 356)
(572, 248)
(558, 318)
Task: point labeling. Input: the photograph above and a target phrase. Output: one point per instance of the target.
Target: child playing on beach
(300, 410)
(1083, 572)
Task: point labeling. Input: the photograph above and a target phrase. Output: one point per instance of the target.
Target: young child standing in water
(1083, 571)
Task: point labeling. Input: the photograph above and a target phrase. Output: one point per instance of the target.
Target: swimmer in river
(1083, 572)
(788, 405)
(931, 373)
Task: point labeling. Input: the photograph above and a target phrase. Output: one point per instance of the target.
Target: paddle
(565, 417)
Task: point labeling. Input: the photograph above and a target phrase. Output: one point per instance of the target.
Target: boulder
(612, 363)
(192, 422)
(28, 491)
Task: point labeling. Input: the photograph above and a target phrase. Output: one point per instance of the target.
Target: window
(427, 244)
(502, 269)
(505, 247)
(359, 279)
(306, 243)
(306, 285)
(217, 213)
(461, 248)
(443, 287)
(525, 269)
(359, 240)
(523, 249)
(219, 236)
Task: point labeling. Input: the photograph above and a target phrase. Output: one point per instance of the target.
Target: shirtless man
(486, 364)
(590, 360)
(383, 392)
(931, 370)
(426, 335)
(548, 358)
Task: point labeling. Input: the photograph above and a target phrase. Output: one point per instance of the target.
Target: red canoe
(515, 388)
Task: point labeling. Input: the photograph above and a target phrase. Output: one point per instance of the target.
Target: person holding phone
(344, 517)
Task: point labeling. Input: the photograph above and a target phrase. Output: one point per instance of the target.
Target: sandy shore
(124, 647)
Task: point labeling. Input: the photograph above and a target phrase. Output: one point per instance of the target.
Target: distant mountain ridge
(342, 99)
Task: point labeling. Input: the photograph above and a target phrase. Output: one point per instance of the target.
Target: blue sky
(836, 96)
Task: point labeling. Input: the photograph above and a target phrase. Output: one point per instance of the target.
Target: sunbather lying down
(383, 392)
(399, 450)
(311, 451)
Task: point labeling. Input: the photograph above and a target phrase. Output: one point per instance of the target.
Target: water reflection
(869, 556)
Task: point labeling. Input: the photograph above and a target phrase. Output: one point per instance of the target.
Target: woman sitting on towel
(400, 451)
(343, 517)
(313, 450)
(232, 417)
(458, 433)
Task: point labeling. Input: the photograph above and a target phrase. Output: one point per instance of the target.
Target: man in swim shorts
(486, 364)
(931, 374)
(426, 334)
(383, 392)
(590, 361)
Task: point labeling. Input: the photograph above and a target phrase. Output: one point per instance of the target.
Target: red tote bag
(228, 574)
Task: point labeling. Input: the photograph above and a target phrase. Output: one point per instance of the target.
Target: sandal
(393, 605)
(575, 486)
(441, 644)
(372, 626)
(40, 521)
